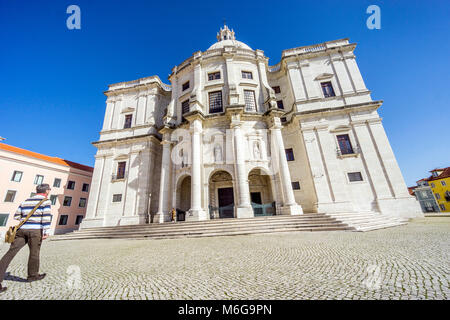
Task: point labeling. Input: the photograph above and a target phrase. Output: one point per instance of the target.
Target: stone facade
(234, 137)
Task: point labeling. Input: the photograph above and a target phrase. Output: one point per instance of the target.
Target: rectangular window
(442, 206)
(121, 169)
(71, 185)
(345, 146)
(85, 187)
(57, 183)
(53, 199)
(247, 75)
(354, 176)
(10, 195)
(213, 76)
(296, 185)
(82, 203)
(215, 102)
(185, 106)
(289, 154)
(276, 89)
(186, 85)
(443, 183)
(17, 176)
(3, 219)
(67, 201)
(79, 219)
(117, 197)
(432, 185)
(128, 119)
(438, 196)
(327, 89)
(249, 98)
(280, 104)
(63, 219)
(38, 179)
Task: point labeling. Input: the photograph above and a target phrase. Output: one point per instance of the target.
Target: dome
(234, 43)
(225, 37)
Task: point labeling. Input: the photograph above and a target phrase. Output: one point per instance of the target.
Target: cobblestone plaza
(406, 262)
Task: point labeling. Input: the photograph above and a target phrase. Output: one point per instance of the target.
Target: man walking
(32, 233)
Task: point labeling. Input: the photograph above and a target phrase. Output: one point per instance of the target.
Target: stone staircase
(368, 221)
(210, 228)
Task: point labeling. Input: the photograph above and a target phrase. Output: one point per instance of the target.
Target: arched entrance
(221, 195)
(183, 197)
(261, 196)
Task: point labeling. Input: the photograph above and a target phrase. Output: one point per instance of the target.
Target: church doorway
(183, 197)
(261, 193)
(221, 195)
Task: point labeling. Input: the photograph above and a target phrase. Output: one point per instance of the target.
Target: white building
(234, 137)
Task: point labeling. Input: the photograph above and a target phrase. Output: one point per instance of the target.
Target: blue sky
(52, 79)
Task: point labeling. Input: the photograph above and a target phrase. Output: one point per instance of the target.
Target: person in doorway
(32, 232)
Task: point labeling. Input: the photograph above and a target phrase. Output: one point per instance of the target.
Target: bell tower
(225, 34)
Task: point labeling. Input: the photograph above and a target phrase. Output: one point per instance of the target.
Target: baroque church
(233, 137)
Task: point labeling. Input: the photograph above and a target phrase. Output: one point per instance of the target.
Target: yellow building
(440, 185)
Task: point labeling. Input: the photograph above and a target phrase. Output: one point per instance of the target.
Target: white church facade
(232, 136)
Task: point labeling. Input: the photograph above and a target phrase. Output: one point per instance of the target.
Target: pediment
(324, 76)
(127, 110)
(121, 157)
(341, 128)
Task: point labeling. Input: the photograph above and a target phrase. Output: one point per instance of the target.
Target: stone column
(289, 204)
(163, 214)
(196, 212)
(244, 208)
(296, 82)
(91, 219)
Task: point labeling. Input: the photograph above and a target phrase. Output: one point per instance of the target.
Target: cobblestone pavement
(407, 262)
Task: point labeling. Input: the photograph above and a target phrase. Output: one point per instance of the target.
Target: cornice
(144, 137)
(373, 105)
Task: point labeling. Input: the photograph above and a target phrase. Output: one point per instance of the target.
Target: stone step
(215, 221)
(368, 221)
(201, 229)
(208, 234)
(180, 226)
(378, 226)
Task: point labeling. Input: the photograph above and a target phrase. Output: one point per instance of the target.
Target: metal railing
(266, 209)
(221, 212)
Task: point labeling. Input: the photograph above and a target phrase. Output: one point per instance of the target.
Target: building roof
(39, 156)
(411, 190)
(444, 174)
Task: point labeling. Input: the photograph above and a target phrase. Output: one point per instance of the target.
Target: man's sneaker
(39, 277)
(2, 289)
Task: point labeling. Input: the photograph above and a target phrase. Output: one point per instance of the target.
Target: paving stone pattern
(406, 262)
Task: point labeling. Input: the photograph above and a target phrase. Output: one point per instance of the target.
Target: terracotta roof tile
(444, 174)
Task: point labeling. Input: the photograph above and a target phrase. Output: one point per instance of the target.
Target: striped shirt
(41, 218)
